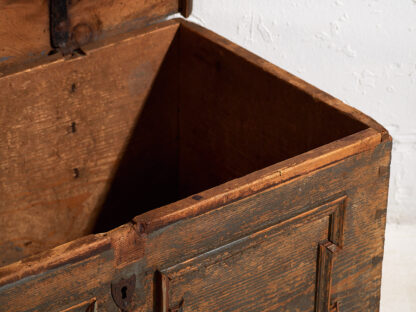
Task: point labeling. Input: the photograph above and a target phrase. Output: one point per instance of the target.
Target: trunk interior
(138, 123)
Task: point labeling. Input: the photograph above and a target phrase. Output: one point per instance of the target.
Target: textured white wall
(361, 51)
(364, 53)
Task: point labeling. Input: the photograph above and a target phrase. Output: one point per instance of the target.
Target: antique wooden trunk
(151, 165)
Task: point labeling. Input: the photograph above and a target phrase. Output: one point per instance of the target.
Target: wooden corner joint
(128, 245)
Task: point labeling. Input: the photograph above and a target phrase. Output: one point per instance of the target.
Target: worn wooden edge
(131, 36)
(300, 84)
(272, 176)
(125, 242)
(68, 253)
(87, 306)
(26, 25)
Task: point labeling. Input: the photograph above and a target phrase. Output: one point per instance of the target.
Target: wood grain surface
(221, 182)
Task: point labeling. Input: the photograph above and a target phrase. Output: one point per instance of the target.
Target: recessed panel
(286, 267)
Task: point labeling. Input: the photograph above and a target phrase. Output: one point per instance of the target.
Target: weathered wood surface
(293, 223)
(261, 251)
(83, 136)
(24, 25)
(250, 264)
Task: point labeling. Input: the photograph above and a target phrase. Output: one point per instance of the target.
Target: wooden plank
(188, 282)
(274, 175)
(252, 240)
(331, 212)
(64, 145)
(72, 252)
(319, 96)
(64, 289)
(188, 271)
(274, 274)
(24, 25)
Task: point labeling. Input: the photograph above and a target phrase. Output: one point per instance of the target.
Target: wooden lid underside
(24, 25)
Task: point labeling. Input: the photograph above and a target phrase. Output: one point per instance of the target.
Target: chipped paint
(5, 58)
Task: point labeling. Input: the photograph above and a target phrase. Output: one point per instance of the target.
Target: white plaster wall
(364, 53)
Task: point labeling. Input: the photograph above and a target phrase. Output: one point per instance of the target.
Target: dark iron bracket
(59, 26)
(68, 43)
(185, 7)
